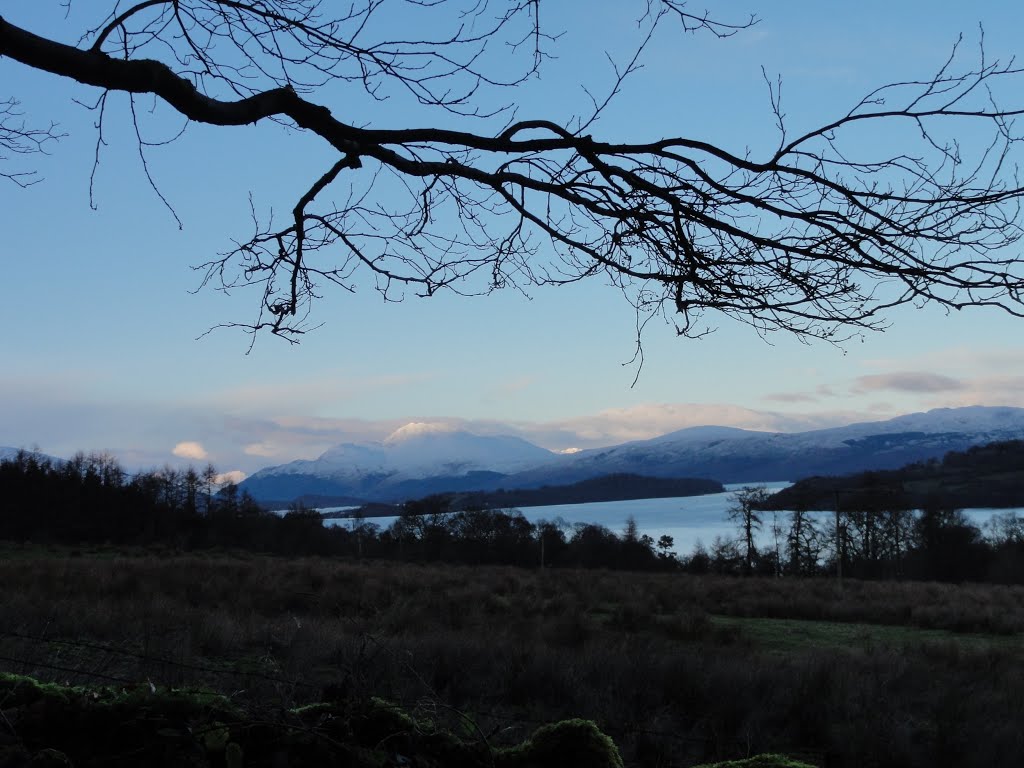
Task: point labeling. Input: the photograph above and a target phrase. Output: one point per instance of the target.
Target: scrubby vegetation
(678, 670)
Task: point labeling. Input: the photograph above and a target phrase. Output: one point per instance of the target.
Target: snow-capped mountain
(421, 458)
(738, 456)
(411, 461)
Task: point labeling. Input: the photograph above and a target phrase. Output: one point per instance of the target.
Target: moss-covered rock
(380, 723)
(64, 725)
(61, 727)
(566, 744)
(386, 728)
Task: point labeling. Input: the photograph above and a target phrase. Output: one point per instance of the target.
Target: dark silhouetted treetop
(909, 197)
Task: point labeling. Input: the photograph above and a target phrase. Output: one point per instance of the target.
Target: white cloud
(264, 449)
(234, 476)
(189, 449)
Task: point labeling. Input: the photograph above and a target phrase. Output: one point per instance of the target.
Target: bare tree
(818, 237)
(803, 544)
(745, 512)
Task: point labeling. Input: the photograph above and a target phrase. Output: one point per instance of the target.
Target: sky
(104, 342)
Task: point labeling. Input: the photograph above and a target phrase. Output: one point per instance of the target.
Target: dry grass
(642, 654)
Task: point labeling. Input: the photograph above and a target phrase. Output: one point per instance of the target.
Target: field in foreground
(677, 669)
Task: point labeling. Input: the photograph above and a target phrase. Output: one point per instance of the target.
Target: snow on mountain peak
(418, 450)
(437, 452)
(418, 429)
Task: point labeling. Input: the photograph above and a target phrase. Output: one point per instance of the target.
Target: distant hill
(741, 456)
(7, 454)
(419, 460)
(983, 476)
(605, 488)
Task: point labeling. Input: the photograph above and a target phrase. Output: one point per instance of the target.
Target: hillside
(983, 476)
(620, 487)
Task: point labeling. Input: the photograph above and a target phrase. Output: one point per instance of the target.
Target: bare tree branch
(819, 237)
(17, 138)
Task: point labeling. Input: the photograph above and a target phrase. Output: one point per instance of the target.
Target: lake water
(687, 520)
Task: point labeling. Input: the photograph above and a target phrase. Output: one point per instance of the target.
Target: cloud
(234, 476)
(299, 396)
(277, 441)
(647, 420)
(984, 390)
(265, 449)
(968, 360)
(791, 397)
(907, 381)
(189, 449)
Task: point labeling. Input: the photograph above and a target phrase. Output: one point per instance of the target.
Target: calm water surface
(687, 520)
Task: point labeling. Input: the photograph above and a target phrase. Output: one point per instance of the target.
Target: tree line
(92, 500)
(872, 533)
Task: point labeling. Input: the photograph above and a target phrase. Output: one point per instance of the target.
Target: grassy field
(679, 670)
(789, 636)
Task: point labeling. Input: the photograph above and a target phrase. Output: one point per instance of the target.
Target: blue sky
(101, 350)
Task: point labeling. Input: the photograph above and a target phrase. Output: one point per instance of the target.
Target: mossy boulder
(380, 723)
(566, 744)
(384, 727)
(62, 727)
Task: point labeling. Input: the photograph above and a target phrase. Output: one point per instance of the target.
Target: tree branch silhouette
(883, 206)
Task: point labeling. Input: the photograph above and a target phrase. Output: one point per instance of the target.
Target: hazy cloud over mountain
(277, 422)
(908, 381)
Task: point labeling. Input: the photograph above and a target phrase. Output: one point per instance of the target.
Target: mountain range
(421, 459)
